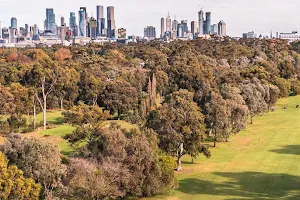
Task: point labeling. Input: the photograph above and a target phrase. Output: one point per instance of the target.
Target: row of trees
(179, 96)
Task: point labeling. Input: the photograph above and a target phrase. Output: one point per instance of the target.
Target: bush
(167, 165)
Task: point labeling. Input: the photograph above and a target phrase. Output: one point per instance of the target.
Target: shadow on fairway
(288, 149)
(246, 185)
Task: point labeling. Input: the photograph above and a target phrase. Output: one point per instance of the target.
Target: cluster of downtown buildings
(82, 30)
(172, 30)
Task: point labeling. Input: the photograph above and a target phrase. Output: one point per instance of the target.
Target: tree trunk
(45, 114)
(34, 114)
(251, 119)
(179, 156)
(61, 103)
(215, 138)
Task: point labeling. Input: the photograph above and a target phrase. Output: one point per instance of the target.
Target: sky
(261, 16)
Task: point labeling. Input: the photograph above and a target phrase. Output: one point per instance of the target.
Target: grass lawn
(262, 162)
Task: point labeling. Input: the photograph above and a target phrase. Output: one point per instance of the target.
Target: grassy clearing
(262, 162)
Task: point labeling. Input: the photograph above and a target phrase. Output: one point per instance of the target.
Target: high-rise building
(93, 28)
(208, 23)
(214, 29)
(26, 29)
(162, 27)
(168, 24)
(50, 21)
(194, 27)
(73, 24)
(100, 21)
(121, 33)
(5, 33)
(82, 23)
(180, 30)
(200, 22)
(185, 26)
(150, 32)
(62, 21)
(111, 24)
(222, 28)
(35, 30)
(14, 23)
(0, 30)
(174, 25)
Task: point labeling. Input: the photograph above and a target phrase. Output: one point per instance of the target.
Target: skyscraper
(168, 24)
(100, 21)
(50, 21)
(200, 23)
(162, 27)
(72, 24)
(150, 32)
(214, 29)
(82, 23)
(111, 24)
(26, 29)
(62, 21)
(222, 28)
(180, 32)
(208, 23)
(93, 28)
(185, 26)
(14, 23)
(194, 27)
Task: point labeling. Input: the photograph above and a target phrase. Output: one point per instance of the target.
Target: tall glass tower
(73, 25)
(208, 23)
(200, 22)
(14, 23)
(82, 23)
(50, 20)
(111, 24)
(100, 21)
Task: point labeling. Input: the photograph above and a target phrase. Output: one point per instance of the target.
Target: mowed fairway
(262, 162)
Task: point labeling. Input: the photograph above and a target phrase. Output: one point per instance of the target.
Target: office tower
(149, 32)
(100, 21)
(214, 29)
(26, 29)
(200, 23)
(73, 24)
(5, 33)
(174, 25)
(162, 27)
(185, 26)
(208, 23)
(22, 31)
(180, 30)
(111, 24)
(50, 21)
(222, 28)
(82, 23)
(62, 21)
(93, 28)
(168, 24)
(14, 23)
(194, 27)
(35, 30)
(122, 33)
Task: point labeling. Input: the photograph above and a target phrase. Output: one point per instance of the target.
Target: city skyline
(261, 16)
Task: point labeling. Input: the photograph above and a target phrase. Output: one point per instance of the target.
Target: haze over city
(134, 15)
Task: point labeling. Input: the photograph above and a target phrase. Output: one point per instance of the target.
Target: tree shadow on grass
(246, 185)
(288, 149)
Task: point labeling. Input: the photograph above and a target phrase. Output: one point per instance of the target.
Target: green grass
(262, 162)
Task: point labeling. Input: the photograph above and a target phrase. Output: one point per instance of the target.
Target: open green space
(261, 162)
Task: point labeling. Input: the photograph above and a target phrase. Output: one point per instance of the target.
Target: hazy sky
(262, 16)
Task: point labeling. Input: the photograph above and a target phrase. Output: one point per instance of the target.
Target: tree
(180, 126)
(14, 185)
(119, 96)
(284, 87)
(38, 159)
(63, 55)
(7, 105)
(254, 97)
(87, 119)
